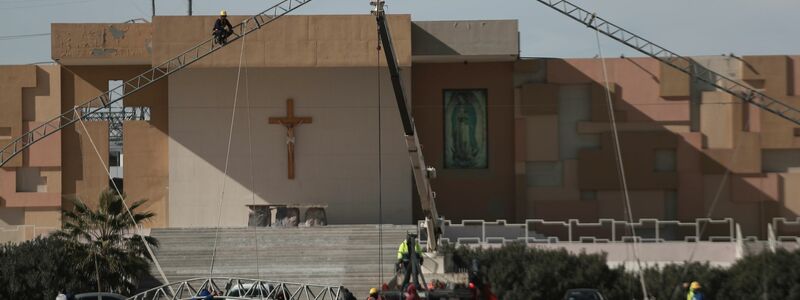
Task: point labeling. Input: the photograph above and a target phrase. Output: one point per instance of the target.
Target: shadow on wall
(671, 171)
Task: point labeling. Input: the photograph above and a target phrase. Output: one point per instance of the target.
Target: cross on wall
(290, 121)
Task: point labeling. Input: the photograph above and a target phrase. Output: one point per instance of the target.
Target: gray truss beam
(241, 288)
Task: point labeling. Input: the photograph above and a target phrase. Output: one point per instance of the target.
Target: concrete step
(348, 255)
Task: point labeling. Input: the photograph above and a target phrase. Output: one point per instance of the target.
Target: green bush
(764, 276)
(520, 272)
(40, 268)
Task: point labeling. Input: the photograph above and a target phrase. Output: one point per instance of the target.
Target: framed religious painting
(466, 141)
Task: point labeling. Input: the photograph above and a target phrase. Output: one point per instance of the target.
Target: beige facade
(336, 156)
(550, 151)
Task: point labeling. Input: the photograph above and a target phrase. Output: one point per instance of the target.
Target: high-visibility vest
(403, 249)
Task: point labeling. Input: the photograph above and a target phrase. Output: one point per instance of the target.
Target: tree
(40, 269)
(517, 271)
(117, 255)
(764, 276)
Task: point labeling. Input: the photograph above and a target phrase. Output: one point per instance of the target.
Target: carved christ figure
(290, 122)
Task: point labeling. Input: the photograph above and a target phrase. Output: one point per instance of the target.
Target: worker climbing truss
(241, 288)
(144, 80)
(683, 64)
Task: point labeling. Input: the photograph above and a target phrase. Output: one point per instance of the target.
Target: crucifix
(290, 122)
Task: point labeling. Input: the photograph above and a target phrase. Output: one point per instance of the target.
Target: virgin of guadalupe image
(466, 134)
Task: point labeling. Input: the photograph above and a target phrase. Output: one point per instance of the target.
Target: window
(665, 160)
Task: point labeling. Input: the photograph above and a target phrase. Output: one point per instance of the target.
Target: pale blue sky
(688, 27)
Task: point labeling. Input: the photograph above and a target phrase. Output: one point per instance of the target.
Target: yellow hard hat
(373, 291)
(223, 13)
(695, 285)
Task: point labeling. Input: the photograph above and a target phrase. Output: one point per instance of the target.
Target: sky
(687, 27)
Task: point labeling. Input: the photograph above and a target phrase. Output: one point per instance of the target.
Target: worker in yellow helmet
(222, 28)
(402, 251)
(694, 292)
(404, 257)
(373, 294)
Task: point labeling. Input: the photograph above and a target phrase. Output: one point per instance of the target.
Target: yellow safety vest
(403, 249)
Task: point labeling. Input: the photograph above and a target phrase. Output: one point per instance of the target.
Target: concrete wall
(291, 41)
(336, 155)
(469, 193)
(678, 139)
(146, 169)
(30, 184)
(458, 41)
(101, 44)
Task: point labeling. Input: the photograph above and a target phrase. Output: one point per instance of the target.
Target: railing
(534, 231)
(786, 230)
(21, 233)
(241, 288)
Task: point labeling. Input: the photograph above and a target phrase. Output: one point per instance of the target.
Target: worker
(222, 28)
(694, 292)
(373, 294)
(411, 292)
(404, 261)
(402, 251)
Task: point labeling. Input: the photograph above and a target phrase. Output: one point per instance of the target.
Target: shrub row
(520, 272)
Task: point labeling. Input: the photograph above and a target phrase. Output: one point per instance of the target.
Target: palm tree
(108, 236)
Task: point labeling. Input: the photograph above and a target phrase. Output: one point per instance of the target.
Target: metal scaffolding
(241, 288)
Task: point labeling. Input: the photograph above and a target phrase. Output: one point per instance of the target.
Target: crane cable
(620, 166)
(227, 154)
(250, 146)
(380, 165)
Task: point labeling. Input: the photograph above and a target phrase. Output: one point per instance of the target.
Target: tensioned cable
(227, 155)
(620, 165)
(380, 167)
(127, 209)
(250, 146)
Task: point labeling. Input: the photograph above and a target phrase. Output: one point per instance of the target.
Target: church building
(301, 113)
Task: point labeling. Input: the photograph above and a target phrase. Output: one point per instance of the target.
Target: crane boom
(683, 64)
(422, 173)
(136, 84)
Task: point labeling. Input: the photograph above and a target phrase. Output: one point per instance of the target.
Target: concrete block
(451, 40)
(790, 192)
(597, 166)
(539, 99)
(744, 158)
(45, 153)
(674, 83)
(541, 138)
(720, 120)
(14, 79)
(102, 43)
(755, 188)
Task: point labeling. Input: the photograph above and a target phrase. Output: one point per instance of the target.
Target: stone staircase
(345, 255)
